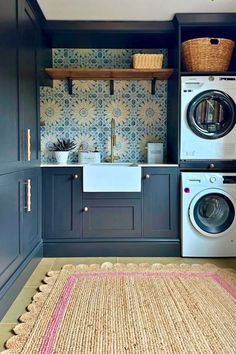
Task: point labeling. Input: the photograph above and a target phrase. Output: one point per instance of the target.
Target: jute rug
(116, 309)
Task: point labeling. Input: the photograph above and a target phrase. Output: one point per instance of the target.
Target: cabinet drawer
(112, 218)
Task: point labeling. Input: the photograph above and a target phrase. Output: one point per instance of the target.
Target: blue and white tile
(86, 115)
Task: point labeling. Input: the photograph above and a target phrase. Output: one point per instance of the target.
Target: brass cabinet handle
(28, 145)
(86, 209)
(147, 176)
(76, 176)
(28, 207)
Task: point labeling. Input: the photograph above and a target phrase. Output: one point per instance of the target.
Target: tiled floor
(46, 264)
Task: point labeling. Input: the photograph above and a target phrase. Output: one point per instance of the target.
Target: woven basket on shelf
(147, 61)
(207, 54)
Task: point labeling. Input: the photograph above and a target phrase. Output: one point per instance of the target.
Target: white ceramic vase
(61, 157)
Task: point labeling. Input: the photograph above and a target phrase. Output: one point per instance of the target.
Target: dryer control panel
(229, 179)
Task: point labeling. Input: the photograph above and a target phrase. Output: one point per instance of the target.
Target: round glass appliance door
(212, 213)
(211, 114)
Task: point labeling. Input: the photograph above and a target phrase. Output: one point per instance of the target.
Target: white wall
(146, 10)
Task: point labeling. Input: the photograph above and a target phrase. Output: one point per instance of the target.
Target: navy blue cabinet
(62, 203)
(160, 202)
(32, 214)
(20, 176)
(20, 219)
(9, 118)
(71, 214)
(75, 221)
(19, 103)
(11, 224)
(105, 217)
(28, 84)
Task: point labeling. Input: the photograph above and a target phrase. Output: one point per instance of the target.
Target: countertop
(82, 165)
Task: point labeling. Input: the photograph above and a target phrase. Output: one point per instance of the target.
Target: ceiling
(129, 10)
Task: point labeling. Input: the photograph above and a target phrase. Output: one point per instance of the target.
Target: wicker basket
(207, 54)
(147, 61)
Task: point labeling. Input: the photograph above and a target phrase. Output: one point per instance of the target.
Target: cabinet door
(62, 202)
(10, 224)
(160, 202)
(111, 218)
(9, 124)
(28, 85)
(32, 210)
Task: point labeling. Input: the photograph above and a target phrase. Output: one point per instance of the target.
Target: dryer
(208, 117)
(208, 220)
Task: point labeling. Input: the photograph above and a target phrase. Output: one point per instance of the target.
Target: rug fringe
(16, 343)
(144, 266)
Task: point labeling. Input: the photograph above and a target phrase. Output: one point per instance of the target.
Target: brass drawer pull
(76, 176)
(147, 176)
(86, 209)
(28, 207)
(28, 145)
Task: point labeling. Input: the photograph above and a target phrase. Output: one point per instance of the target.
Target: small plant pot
(61, 157)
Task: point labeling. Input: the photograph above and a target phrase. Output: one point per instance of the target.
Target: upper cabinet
(23, 53)
(110, 34)
(28, 84)
(9, 120)
(213, 25)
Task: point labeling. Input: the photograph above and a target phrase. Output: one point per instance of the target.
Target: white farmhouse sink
(112, 177)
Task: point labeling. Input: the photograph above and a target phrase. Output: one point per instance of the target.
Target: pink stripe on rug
(224, 285)
(52, 327)
(217, 278)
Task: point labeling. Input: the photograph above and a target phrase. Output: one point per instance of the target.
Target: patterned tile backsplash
(85, 116)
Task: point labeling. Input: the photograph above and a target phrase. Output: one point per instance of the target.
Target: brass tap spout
(112, 157)
(113, 138)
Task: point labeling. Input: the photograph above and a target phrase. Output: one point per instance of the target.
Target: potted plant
(62, 148)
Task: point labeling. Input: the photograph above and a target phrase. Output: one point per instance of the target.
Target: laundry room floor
(30, 288)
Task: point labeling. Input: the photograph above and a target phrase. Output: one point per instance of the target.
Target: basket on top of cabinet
(207, 54)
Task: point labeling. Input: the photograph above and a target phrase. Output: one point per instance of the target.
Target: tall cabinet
(10, 155)
(28, 85)
(20, 175)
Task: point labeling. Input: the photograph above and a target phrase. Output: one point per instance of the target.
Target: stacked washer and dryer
(208, 133)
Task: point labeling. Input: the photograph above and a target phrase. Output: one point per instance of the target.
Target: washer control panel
(204, 179)
(216, 179)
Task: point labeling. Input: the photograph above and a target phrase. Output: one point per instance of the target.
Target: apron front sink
(112, 177)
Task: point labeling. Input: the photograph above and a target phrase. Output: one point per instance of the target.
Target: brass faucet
(112, 157)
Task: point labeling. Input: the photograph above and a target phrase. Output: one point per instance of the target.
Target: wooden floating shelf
(109, 74)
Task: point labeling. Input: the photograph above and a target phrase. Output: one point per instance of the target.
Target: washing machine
(208, 221)
(208, 117)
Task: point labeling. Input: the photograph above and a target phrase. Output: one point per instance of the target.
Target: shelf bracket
(70, 86)
(153, 86)
(111, 87)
